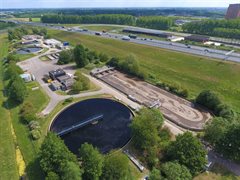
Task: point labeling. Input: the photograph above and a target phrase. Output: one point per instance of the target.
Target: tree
(82, 83)
(155, 174)
(65, 57)
(103, 57)
(54, 154)
(17, 90)
(52, 176)
(208, 99)
(92, 161)
(116, 166)
(80, 56)
(145, 131)
(175, 171)
(229, 144)
(27, 112)
(71, 170)
(13, 71)
(145, 128)
(188, 151)
(130, 65)
(215, 130)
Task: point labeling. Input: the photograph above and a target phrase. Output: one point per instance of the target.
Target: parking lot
(174, 108)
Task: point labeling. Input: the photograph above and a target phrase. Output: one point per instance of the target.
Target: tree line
(221, 28)
(97, 19)
(18, 33)
(156, 22)
(222, 131)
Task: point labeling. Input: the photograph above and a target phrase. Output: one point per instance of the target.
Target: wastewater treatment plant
(101, 122)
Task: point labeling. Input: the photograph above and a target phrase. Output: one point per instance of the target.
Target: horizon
(98, 4)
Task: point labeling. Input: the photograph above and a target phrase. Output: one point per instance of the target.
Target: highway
(190, 49)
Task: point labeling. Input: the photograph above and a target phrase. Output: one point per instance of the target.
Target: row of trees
(182, 159)
(4, 25)
(156, 22)
(96, 19)
(17, 33)
(58, 162)
(16, 88)
(222, 131)
(221, 28)
(212, 101)
(82, 56)
(17, 93)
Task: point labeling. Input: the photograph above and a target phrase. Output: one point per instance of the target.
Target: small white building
(27, 77)
(52, 42)
(212, 43)
(175, 38)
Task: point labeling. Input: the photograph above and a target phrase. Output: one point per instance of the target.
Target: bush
(68, 100)
(82, 83)
(173, 170)
(36, 134)
(65, 57)
(27, 112)
(208, 99)
(34, 125)
(17, 90)
(176, 89)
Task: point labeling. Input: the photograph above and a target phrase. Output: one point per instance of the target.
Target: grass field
(8, 166)
(194, 73)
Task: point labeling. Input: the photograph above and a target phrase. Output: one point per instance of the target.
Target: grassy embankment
(10, 115)
(217, 172)
(194, 73)
(8, 164)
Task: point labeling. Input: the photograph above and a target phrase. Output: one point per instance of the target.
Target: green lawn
(194, 73)
(8, 166)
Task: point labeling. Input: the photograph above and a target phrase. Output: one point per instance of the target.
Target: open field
(8, 166)
(194, 73)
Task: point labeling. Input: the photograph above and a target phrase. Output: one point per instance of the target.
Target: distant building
(27, 77)
(197, 38)
(150, 32)
(233, 11)
(52, 42)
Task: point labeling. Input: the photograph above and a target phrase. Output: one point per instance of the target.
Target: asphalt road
(190, 49)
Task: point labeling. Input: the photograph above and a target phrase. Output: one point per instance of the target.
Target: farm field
(194, 73)
(8, 165)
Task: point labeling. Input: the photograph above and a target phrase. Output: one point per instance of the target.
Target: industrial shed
(197, 38)
(150, 32)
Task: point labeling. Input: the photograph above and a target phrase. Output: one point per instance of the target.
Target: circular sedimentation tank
(110, 131)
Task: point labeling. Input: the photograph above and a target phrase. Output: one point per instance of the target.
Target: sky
(112, 3)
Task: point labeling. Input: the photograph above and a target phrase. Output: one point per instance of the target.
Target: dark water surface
(111, 132)
(28, 50)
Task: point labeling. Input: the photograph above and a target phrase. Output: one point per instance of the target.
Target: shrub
(34, 125)
(36, 134)
(27, 112)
